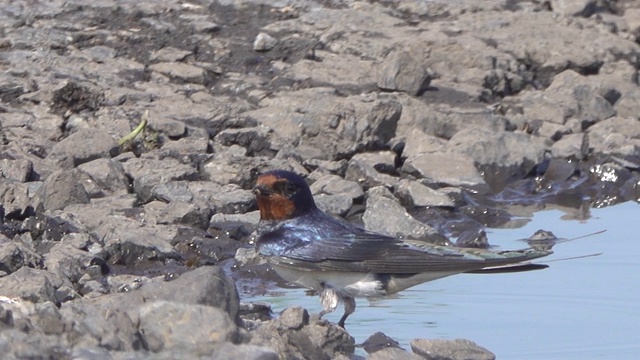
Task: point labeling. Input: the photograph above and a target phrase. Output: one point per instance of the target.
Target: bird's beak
(261, 190)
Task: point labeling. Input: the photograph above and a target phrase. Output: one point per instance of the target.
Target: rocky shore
(427, 119)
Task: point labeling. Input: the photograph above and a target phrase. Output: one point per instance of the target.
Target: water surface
(586, 308)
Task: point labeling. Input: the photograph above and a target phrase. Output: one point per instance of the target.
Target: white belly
(353, 284)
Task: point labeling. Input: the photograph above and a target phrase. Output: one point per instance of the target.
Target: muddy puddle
(575, 309)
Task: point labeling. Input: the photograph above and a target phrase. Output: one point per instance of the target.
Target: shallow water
(586, 308)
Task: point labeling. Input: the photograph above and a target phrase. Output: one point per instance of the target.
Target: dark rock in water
(379, 341)
(306, 340)
(473, 239)
(458, 349)
(559, 170)
(542, 240)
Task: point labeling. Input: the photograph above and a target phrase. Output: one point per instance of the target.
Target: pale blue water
(577, 309)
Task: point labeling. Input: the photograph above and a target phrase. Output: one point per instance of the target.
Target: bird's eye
(291, 188)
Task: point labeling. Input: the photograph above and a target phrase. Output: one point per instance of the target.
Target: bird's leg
(349, 308)
(329, 300)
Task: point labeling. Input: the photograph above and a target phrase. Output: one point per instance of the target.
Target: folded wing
(369, 252)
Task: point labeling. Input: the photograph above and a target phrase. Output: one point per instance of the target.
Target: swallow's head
(282, 195)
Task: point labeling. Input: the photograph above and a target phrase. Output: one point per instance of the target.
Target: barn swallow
(341, 261)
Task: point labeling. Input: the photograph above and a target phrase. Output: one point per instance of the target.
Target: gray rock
(362, 170)
(248, 256)
(225, 168)
(228, 351)
(334, 167)
(99, 211)
(187, 145)
(193, 214)
(148, 173)
(195, 329)
(68, 262)
(49, 319)
(335, 127)
(294, 318)
(444, 168)
(253, 139)
(393, 354)
(171, 128)
(61, 189)
(335, 185)
(315, 340)
(615, 136)
(173, 191)
(442, 121)
(14, 255)
(414, 194)
(500, 149)
(458, 349)
(501, 156)
(385, 215)
(83, 146)
(334, 204)
(169, 54)
(570, 146)
(127, 243)
(19, 169)
(18, 344)
(207, 285)
(264, 42)
(584, 8)
(30, 284)
(15, 197)
(234, 200)
(571, 95)
(382, 161)
(109, 328)
(100, 53)
(417, 142)
(404, 71)
(108, 175)
(181, 72)
(245, 221)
